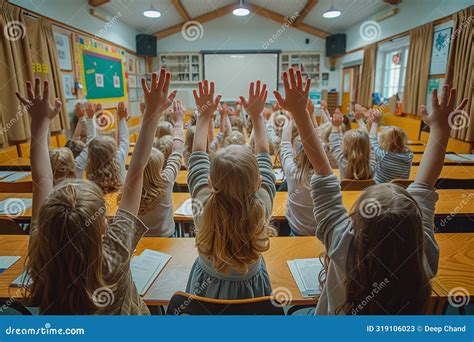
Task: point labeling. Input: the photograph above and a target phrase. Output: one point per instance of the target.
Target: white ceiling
(353, 11)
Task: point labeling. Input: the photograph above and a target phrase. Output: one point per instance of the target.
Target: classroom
(226, 157)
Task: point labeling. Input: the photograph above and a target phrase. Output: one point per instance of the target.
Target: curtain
(367, 76)
(418, 68)
(460, 72)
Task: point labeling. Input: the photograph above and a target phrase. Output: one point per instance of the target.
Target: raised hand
(256, 100)
(91, 109)
(178, 111)
(359, 112)
(442, 109)
(337, 118)
(122, 111)
(206, 103)
(375, 116)
(310, 107)
(156, 96)
(296, 93)
(79, 110)
(38, 104)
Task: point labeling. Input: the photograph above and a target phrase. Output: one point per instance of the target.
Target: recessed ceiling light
(241, 11)
(152, 12)
(331, 13)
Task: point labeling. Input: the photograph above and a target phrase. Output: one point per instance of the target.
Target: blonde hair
(76, 146)
(102, 167)
(356, 149)
(304, 167)
(237, 123)
(165, 145)
(62, 164)
(164, 128)
(153, 184)
(168, 116)
(234, 138)
(233, 229)
(393, 139)
(65, 259)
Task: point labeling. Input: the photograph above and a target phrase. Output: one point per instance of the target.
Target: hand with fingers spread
(122, 111)
(38, 104)
(255, 104)
(156, 96)
(206, 103)
(178, 111)
(79, 110)
(337, 118)
(90, 110)
(375, 116)
(296, 94)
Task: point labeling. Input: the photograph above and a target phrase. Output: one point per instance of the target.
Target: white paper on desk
(186, 209)
(23, 279)
(7, 261)
(306, 273)
(14, 206)
(279, 174)
(14, 176)
(4, 174)
(146, 267)
(469, 157)
(460, 157)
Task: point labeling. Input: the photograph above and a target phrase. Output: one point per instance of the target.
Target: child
(156, 206)
(352, 151)
(62, 164)
(391, 152)
(237, 190)
(164, 128)
(225, 129)
(188, 148)
(165, 145)
(386, 243)
(106, 162)
(78, 263)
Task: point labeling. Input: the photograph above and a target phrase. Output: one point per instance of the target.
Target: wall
(75, 13)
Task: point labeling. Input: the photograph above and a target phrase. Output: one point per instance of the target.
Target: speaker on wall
(146, 45)
(336, 45)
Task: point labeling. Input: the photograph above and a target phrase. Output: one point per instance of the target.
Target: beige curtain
(460, 71)
(367, 76)
(418, 68)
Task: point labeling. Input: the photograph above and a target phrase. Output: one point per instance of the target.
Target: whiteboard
(233, 72)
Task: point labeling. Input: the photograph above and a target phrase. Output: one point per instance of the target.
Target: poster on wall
(440, 51)
(433, 83)
(68, 86)
(132, 95)
(63, 48)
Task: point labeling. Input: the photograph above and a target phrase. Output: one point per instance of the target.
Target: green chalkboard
(103, 76)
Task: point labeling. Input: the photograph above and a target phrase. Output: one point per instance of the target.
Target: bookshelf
(308, 63)
(185, 68)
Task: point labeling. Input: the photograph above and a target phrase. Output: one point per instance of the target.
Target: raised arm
(440, 129)
(325, 117)
(359, 114)
(156, 101)
(254, 106)
(375, 117)
(79, 112)
(41, 112)
(206, 105)
(178, 117)
(295, 101)
(124, 136)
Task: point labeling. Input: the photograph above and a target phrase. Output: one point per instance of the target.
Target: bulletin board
(102, 75)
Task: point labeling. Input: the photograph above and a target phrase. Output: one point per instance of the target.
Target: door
(350, 82)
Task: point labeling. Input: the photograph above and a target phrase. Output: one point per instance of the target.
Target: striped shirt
(390, 165)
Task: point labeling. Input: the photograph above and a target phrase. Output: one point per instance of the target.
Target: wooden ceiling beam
(305, 11)
(181, 10)
(96, 3)
(201, 19)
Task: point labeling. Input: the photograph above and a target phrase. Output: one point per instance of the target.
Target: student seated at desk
(236, 191)
(75, 258)
(387, 240)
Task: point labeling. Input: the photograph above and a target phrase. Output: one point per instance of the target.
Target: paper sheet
(7, 261)
(279, 174)
(186, 209)
(305, 272)
(15, 176)
(4, 174)
(22, 279)
(146, 267)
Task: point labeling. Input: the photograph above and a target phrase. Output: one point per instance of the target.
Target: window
(395, 64)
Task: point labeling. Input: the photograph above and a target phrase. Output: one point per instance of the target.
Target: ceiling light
(152, 12)
(241, 11)
(331, 13)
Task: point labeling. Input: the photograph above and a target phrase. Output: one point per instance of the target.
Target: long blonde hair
(62, 164)
(234, 138)
(102, 167)
(356, 149)
(304, 167)
(165, 145)
(393, 139)
(153, 183)
(65, 259)
(234, 228)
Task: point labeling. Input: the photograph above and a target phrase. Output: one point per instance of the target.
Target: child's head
(388, 254)
(165, 145)
(168, 116)
(76, 146)
(65, 254)
(234, 138)
(236, 123)
(233, 229)
(153, 185)
(393, 139)
(356, 149)
(325, 130)
(102, 167)
(62, 164)
(164, 128)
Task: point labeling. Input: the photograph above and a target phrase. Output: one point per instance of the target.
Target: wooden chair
(352, 184)
(16, 187)
(402, 182)
(10, 227)
(186, 304)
